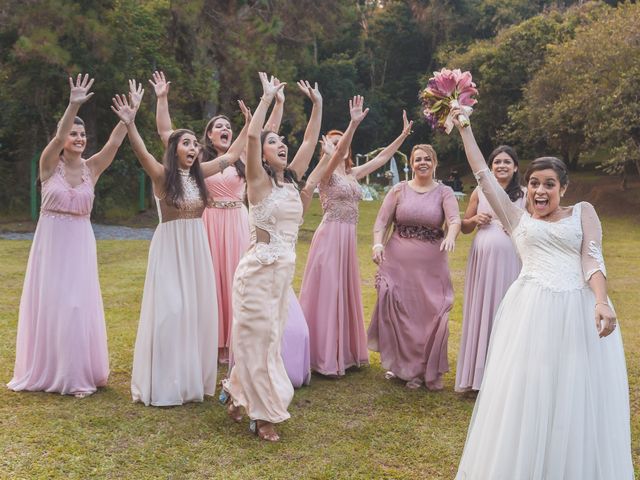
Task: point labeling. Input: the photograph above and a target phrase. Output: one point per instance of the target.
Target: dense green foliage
(382, 49)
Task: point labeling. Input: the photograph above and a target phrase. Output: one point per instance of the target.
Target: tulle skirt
(554, 402)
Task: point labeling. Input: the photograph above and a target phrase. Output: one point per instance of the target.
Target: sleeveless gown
(492, 266)
(227, 225)
(410, 321)
(258, 380)
(62, 340)
(175, 356)
(330, 294)
(554, 400)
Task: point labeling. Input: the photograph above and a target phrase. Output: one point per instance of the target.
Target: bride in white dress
(554, 401)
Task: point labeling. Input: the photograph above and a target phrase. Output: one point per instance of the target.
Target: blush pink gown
(226, 222)
(410, 322)
(62, 339)
(492, 267)
(330, 294)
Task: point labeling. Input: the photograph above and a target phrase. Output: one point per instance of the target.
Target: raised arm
(127, 114)
(235, 150)
(258, 183)
(163, 119)
(316, 175)
(99, 162)
(385, 155)
(79, 94)
(275, 119)
(357, 115)
(452, 220)
(300, 162)
(385, 217)
(508, 213)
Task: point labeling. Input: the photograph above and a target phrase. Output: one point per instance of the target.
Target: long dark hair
(513, 189)
(208, 150)
(546, 163)
(172, 184)
(289, 175)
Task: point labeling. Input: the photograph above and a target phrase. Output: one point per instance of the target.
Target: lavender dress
(409, 326)
(492, 267)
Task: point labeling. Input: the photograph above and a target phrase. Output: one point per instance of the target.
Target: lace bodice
(279, 214)
(339, 196)
(61, 200)
(560, 255)
(191, 205)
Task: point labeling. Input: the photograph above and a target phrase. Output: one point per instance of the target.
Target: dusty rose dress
(330, 293)
(227, 225)
(492, 267)
(409, 326)
(62, 339)
(258, 380)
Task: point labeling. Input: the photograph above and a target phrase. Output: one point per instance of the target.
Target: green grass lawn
(361, 426)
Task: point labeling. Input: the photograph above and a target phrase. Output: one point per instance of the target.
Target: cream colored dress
(175, 358)
(258, 380)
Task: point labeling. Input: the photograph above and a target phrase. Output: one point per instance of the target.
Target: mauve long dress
(409, 326)
(330, 293)
(62, 339)
(492, 267)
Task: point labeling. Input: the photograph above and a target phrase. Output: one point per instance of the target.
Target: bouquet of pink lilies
(446, 90)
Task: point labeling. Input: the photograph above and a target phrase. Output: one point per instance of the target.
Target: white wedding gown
(554, 401)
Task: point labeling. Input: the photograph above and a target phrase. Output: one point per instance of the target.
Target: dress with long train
(492, 266)
(258, 380)
(175, 356)
(554, 401)
(62, 340)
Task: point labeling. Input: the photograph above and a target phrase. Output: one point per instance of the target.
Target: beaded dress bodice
(279, 214)
(191, 205)
(339, 196)
(61, 200)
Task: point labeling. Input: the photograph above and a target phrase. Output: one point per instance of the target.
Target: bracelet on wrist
(377, 245)
(266, 100)
(602, 303)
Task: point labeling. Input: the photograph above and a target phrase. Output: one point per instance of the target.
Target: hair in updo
(546, 163)
(289, 175)
(513, 189)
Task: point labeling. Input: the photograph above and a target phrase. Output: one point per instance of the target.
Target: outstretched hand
(406, 124)
(80, 90)
(246, 112)
(136, 92)
(312, 92)
(356, 111)
(123, 109)
(269, 86)
(160, 84)
(328, 148)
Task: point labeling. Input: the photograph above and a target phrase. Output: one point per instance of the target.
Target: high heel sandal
(262, 433)
(234, 412)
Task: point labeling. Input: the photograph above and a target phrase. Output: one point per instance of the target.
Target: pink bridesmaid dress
(330, 294)
(410, 322)
(492, 267)
(62, 340)
(226, 222)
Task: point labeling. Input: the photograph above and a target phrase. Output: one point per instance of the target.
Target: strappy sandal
(235, 412)
(265, 431)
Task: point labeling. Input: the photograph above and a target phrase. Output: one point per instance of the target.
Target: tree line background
(555, 77)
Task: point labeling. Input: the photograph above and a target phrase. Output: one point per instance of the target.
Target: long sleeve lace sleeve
(508, 213)
(386, 214)
(592, 259)
(450, 207)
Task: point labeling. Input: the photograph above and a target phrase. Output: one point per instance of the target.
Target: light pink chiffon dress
(410, 322)
(226, 222)
(330, 294)
(62, 339)
(492, 267)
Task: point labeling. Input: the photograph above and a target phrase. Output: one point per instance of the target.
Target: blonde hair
(429, 150)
